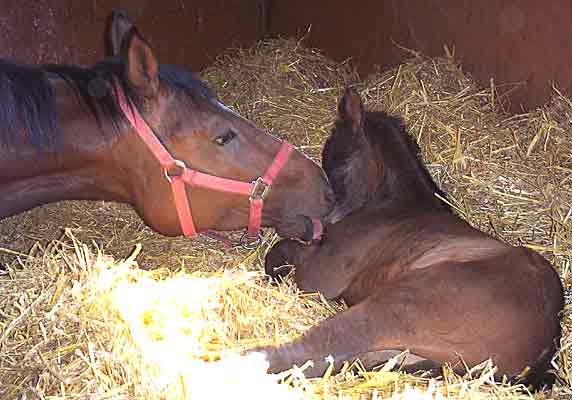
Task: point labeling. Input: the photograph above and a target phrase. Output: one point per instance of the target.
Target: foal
(414, 275)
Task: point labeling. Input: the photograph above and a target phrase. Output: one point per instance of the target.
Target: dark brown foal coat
(415, 276)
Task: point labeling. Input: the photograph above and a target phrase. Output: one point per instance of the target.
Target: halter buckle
(170, 172)
(260, 189)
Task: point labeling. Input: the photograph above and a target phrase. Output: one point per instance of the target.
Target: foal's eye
(225, 138)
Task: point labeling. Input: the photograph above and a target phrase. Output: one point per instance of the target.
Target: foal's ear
(141, 65)
(118, 25)
(350, 108)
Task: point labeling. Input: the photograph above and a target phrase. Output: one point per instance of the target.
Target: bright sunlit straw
(172, 330)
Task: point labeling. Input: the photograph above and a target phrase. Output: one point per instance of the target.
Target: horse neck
(406, 183)
(80, 168)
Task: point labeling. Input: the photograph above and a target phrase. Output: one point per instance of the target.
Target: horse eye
(227, 137)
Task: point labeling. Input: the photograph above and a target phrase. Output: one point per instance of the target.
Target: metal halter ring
(260, 189)
(249, 242)
(170, 174)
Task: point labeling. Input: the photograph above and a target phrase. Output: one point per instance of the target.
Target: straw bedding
(170, 319)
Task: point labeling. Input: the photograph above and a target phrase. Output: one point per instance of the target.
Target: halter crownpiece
(178, 174)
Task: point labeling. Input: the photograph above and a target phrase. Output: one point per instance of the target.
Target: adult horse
(414, 275)
(154, 136)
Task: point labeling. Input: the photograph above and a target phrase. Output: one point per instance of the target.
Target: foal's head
(371, 160)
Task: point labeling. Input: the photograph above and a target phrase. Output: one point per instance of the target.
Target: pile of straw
(83, 324)
(79, 325)
(76, 324)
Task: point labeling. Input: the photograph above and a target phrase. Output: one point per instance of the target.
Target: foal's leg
(478, 310)
(367, 329)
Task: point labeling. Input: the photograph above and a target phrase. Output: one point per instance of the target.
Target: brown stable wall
(190, 32)
(528, 41)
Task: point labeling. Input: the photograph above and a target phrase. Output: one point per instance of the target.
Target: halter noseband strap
(178, 174)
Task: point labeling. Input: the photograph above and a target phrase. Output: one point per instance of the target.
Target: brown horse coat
(414, 275)
(64, 136)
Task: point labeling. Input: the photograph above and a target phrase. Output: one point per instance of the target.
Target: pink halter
(178, 174)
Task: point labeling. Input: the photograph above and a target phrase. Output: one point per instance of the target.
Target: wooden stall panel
(186, 32)
(525, 41)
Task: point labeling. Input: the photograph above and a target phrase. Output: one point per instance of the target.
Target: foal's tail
(538, 376)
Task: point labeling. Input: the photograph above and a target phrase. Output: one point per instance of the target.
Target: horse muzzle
(302, 227)
(314, 229)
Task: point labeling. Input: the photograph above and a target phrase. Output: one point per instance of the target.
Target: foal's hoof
(276, 264)
(272, 355)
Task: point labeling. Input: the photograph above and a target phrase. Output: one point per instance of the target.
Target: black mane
(27, 107)
(27, 100)
(401, 176)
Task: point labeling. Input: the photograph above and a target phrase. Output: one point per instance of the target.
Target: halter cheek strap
(178, 174)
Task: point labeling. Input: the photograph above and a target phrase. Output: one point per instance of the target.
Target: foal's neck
(406, 183)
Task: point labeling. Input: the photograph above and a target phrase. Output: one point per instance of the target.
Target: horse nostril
(314, 229)
(309, 229)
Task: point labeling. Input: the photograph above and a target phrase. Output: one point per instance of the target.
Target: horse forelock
(179, 78)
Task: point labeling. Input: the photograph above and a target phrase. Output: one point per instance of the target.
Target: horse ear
(350, 108)
(142, 67)
(119, 24)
